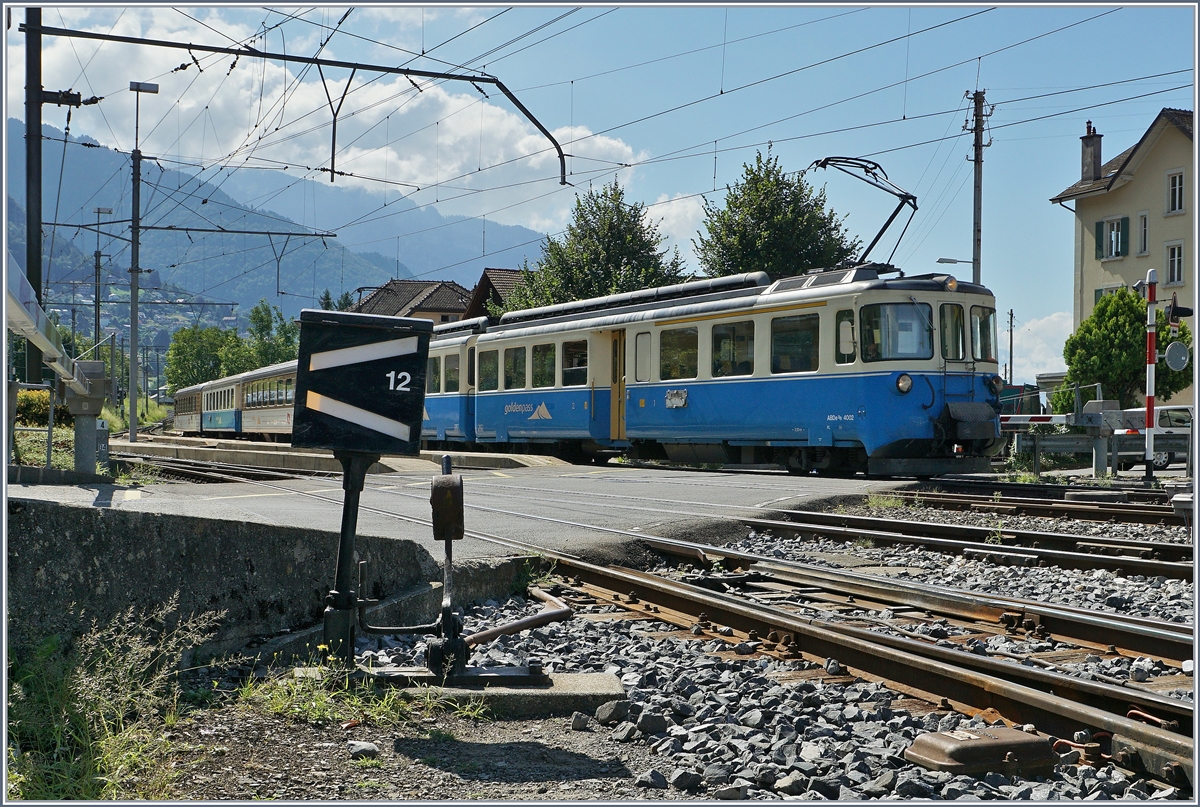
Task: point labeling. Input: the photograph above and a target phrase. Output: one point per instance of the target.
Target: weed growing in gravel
(997, 535)
(475, 709)
(534, 574)
(139, 474)
(366, 762)
(878, 501)
(864, 543)
(85, 716)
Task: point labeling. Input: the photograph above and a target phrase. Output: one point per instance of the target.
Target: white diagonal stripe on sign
(368, 420)
(361, 353)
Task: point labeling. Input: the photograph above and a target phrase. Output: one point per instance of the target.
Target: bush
(33, 409)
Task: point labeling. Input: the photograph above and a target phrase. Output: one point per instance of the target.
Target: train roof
(743, 292)
(249, 375)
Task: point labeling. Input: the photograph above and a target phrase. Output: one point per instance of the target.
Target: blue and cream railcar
(220, 411)
(838, 371)
(187, 410)
(450, 384)
(268, 396)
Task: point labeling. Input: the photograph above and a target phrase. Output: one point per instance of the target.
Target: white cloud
(679, 219)
(1038, 345)
(469, 155)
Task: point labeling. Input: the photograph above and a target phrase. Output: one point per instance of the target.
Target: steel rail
(1040, 490)
(1158, 550)
(975, 682)
(1086, 511)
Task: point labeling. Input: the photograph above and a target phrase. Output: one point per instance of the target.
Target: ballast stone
(362, 750)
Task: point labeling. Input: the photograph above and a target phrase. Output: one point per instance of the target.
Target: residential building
(436, 300)
(1134, 213)
(494, 286)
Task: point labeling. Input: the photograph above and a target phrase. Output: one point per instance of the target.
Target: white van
(1171, 420)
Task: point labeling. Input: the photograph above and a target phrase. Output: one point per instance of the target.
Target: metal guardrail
(1127, 445)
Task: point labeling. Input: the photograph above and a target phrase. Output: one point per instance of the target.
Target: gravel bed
(720, 726)
(1070, 526)
(1095, 589)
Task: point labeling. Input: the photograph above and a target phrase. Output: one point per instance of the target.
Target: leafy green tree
(272, 338)
(610, 246)
(195, 356)
(1109, 348)
(345, 302)
(325, 300)
(772, 221)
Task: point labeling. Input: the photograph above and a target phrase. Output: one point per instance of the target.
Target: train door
(617, 393)
(470, 390)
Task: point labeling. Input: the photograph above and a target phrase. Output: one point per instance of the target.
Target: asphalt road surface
(658, 501)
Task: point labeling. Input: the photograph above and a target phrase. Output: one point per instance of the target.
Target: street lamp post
(137, 88)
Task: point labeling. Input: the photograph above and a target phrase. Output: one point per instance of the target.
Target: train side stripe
(361, 417)
(362, 353)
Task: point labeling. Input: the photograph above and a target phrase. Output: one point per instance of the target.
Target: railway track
(1162, 514)
(867, 624)
(1135, 493)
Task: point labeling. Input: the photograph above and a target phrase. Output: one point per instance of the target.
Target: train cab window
(733, 349)
(678, 354)
(954, 335)
(795, 344)
(891, 331)
(575, 364)
(514, 368)
(433, 376)
(843, 331)
(452, 373)
(543, 365)
(983, 333)
(489, 370)
(641, 357)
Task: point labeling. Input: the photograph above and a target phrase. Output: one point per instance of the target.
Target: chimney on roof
(1091, 161)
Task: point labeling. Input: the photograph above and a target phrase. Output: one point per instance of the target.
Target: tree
(1109, 348)
(610, 246)
(773, 222)
(345, 302)
(325, 300)
(195, 356)
(272, 339)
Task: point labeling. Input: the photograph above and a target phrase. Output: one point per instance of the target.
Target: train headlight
(996, 384)
(904, 382)
(951, 284)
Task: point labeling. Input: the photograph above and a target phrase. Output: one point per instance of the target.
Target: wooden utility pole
(977, 127)
(1010, 346)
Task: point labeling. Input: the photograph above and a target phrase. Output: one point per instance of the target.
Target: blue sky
(680, 96)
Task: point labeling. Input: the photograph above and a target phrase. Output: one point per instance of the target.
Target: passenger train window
(795, 343)
(844, 350)
(452, 373)
(678, 354)
(641, 357)
(954, 337)
(489, 370)
(514, 368)
(543, 365)
(733, 349)
(471, 368)
(896, 331)
(575, 364)
(983, 333)
(290, 390)
(433, 376)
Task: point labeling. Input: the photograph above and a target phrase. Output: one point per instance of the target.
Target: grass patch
(137, 473)
(535, 573)
(878, 501)
(475, 709)
(29, 448)
(85, 715)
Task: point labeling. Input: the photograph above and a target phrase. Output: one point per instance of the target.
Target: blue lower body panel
(550, 414)
(448, 417)
(222, 420)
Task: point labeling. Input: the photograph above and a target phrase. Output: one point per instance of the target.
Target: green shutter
(1099, 240)
(1125, 239)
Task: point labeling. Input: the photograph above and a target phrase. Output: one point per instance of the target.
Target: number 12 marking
(398, 382)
